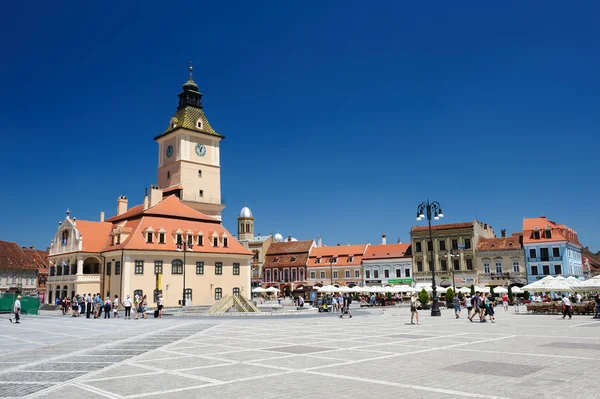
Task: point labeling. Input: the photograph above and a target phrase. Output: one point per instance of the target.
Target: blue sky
(340, 117)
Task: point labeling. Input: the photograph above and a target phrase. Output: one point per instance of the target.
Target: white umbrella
(344, 289)
(591, 284)
(259, 290)
(356, 288)
(272, 289)
(464, 290)
(516, 290)
(500, 290)
(573, 281)
(548, 285)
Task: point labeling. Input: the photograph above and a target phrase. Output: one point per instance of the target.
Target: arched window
(268, 275)
(275, 275)
(286, 275)
(199, 172)
(218, 293)
(293, 274)
(177, 267)
(52, 270)
(301, 274)
(236, 291)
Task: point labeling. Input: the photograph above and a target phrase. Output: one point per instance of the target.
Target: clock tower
(188, 155)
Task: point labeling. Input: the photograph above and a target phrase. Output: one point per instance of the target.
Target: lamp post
(450, 255)
(184, 246)
(427, 209)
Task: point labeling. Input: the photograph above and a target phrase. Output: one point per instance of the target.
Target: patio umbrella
(500, 290)
(272, 290)
(517, 290)
(548, 285)
(259, 290)
(344, 289)
(592, 284)
(464, 290)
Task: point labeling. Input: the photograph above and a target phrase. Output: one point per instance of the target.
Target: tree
(526, 295)
(472, 289)
(423, 297)
(449, 297)
(511, 296)
(492, 292)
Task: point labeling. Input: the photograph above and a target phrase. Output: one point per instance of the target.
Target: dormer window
(318, 261)
(149, 237)
(161, 238)
(350, 258)
(201, 240)
(276, 260)
(199, 124)
(333, 259)
(116, 239)
(536, 235)
(293, 258)
(190, 240)
(225, 242)
(215, 241)
(548, 233)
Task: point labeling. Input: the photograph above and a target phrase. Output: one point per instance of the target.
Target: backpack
(107, 306)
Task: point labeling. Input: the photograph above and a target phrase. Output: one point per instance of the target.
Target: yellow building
(453, 248)
(173, 244)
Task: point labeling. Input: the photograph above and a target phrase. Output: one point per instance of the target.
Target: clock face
(169, 151)
(200, 150)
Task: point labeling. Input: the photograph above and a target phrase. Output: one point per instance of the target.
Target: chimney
(31, 247)
(121, 205)
(156, 195)
(383, 239)
(319, 242)
(102, 216)
(503, 232)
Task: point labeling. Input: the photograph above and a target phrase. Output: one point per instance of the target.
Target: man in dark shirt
(346, 307)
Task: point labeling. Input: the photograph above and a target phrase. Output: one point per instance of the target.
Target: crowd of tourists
(93, 306)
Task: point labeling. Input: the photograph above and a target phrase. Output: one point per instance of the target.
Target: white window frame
(347, 273)
(356, 273)
(516, 266)
(486, 268)
(496, 265)
(322, 274)
(335, 274)
(313, 275)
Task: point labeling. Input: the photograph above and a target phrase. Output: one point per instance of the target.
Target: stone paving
(374, 354)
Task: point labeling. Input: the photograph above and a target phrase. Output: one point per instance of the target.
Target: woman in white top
(414, 303)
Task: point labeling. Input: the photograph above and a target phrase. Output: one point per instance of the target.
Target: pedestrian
(345, 308)
(136, 306)
(160, 307)
(301, 301)
(414, 304)
(597, 300)
(115, 307)
(75, 306)
(340, 302)
(566, 307)
(382, 301)
(144, 306)
(468, 305)
(127, 306)
(489, 306)
(107, 307)
(457, 307)
(17, 310)
(475, 306)
(505, 302)
(96, 304)
(88, 305)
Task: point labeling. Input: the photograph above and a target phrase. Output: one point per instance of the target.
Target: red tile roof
(559, 232)
(443, 226)
(39, 258)
(387, 251)
(170, 206)
(94, 234)
(341, 252)
(511, 243)
(13, 257)
(289, 247)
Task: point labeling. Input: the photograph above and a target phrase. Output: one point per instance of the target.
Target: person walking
(597, 300)
(115, 307)
(345, 308)
(489, 307)
(468, 305)
(340, 303)
(475, 306)
(160, 307)
(144, 306)
(17, 310)
(505, 302)
(566, 307)
(127, 306)
(136, 306)
(414, 303)
(456, 307)
(88, 305)
(107, 307)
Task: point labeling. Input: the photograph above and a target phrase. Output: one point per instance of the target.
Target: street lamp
(184, 246)
(427, 209)
(450, 255)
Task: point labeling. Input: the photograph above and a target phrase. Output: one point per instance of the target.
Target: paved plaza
(374, 354)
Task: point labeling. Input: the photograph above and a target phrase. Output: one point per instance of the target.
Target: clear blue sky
(340, 116)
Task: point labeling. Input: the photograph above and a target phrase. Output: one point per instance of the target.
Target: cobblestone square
(375, 353)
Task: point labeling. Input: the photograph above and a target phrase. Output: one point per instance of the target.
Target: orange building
(285, 265)
(336, 265)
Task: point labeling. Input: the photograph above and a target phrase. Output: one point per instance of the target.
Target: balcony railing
(546, 259)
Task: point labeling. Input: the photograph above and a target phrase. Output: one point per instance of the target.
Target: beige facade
(454, 247)
(501, 261)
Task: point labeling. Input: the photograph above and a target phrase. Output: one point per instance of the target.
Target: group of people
(93, 306)
(481, 305)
